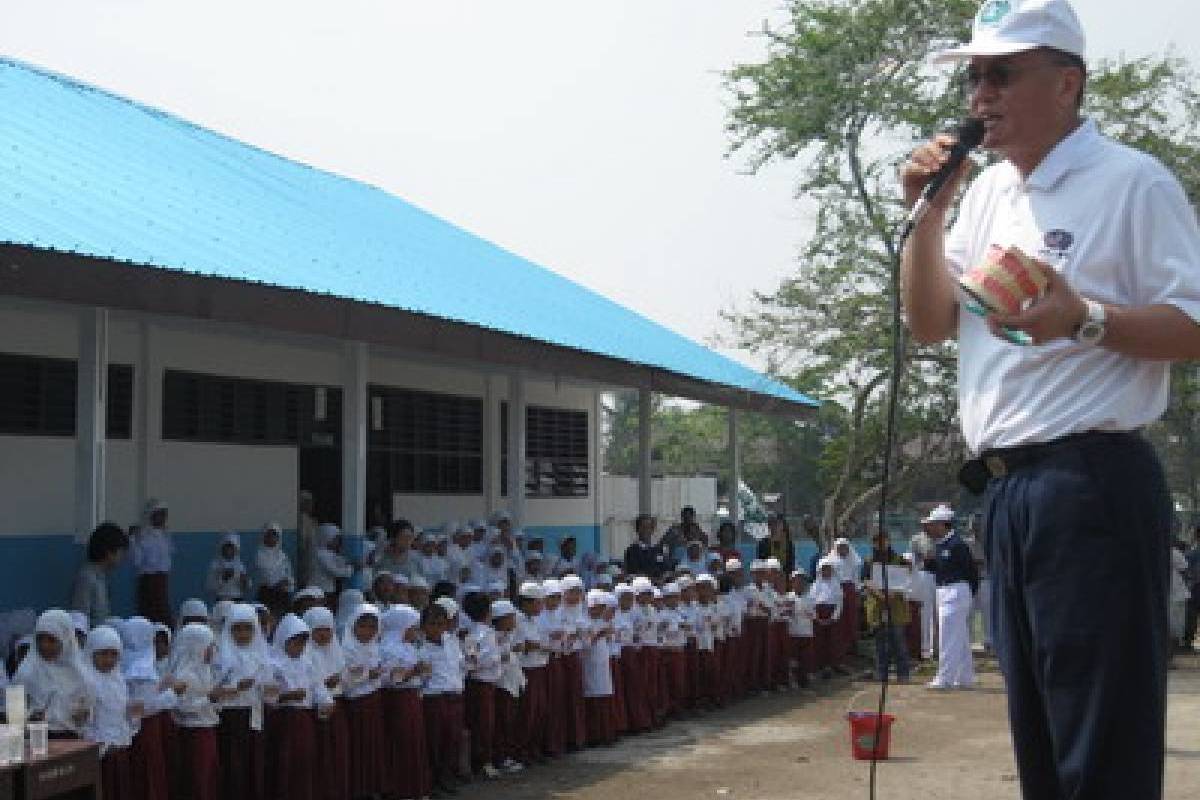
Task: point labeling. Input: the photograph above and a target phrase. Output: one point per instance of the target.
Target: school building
(186, 317)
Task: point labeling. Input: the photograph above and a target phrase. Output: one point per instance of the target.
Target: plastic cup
(39, 739)
(14, 742)
(5, 752)
(14, 705)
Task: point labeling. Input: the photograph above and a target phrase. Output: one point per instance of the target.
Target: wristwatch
(1093, 328)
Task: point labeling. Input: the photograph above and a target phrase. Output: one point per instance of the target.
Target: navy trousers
(1078, 557)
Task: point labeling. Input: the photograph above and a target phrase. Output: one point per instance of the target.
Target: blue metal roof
(85, 171)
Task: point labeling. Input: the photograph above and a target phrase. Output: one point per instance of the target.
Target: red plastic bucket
(862, 735)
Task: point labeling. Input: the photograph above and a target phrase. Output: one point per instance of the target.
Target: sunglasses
(1000, 75)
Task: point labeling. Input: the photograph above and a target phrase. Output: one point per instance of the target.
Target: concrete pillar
(355, 418)
(491, 447)
(645, 484)
(91, 396)
(516, 448)
(735, 470)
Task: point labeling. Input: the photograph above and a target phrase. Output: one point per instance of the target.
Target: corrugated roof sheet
(86, 171)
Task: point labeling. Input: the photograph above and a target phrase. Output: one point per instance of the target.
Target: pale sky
(586, 136)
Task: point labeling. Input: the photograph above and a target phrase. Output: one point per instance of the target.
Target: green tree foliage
(845, 92)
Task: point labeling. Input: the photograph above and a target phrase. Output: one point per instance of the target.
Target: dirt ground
(795, 744)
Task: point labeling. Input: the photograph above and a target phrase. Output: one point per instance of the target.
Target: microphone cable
(969, 134)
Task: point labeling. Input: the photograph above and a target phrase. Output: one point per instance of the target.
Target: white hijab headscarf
(109, 723)
(826, 591)
(192, 607)
(271, 560)
(329, 660)
(348, 602)
(56, 687)
(394, 623)
(137, 657)
(294, 673)
(360, 654)
(187, 663)
(235, 662)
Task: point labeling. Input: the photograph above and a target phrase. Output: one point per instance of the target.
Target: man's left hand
(1056, 315)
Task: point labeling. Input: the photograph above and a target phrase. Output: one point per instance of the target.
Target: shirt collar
(1069, 153)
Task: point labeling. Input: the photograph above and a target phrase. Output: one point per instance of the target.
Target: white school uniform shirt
(139, 668)
(1118, 226)
(457, 560)
(446, 665)
(512, 676)
(186, 665)
(109, 723)
(394, 652)
(482, 653)
(753, 598)
(330, 567)
(673, 635)
(623, 625)
(235, 663)
(231, 588)
(574, 623)
(827, 592)
(273, 566)
(597, 655)
(551, 626)
(531, 631)
(645, 629)
(56, 688)
(297, 674)
(706, 622)
(328, 660)
(150, 551)
(361, 657)
(433, 568)
(90, 593)
(804, 610)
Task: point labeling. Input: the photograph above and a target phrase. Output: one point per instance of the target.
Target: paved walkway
(793, 745)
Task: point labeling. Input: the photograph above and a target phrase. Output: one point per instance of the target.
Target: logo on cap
(993, 11)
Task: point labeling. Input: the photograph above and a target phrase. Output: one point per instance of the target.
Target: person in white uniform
(957, 582)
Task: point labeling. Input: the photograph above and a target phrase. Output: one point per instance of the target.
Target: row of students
(378, 705)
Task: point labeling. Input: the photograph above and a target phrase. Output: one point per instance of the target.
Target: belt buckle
(996, 466)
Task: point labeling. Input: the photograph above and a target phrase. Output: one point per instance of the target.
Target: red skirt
(662, 696)
(151, 751)
(825, 645)
(620, 718)
(756, 652)
(575, 713)
(240, 750)
(783, 654)
(600, 728)
(408, 772)
(481, 721)
(508, 723)
(710, 678)
(533, 721)
(116, 773)
(333, 756)
(692, 687)
(554, 737)
(443, 734)
(637, 705)
(153, 598)
(677, 677)
(292, 754)
(364, 721)
(806, 654)
(195, 770)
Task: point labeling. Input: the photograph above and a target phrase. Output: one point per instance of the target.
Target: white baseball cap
(942, 513)
(1004, 27)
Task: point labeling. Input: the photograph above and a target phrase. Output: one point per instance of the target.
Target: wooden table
(70, 770)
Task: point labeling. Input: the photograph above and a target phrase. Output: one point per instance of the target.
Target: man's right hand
(923, 163)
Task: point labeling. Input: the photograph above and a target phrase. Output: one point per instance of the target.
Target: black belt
(975, 474)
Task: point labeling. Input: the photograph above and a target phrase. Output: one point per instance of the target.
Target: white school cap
(571, 582)
(448, 605)
(552, 587)
(595, 598)
(733, 565)
(532, 590)
(503, 608)
(706, 578)
(772, 563)
(1004, 27)
(670, 589)
(497, 586)
(622, 589)
(642, 585)
(757, 565)
(942, 513)
(418, 582)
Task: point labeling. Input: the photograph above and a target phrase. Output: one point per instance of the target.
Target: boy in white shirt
(534, 657)
(482, 653)
(597, 668)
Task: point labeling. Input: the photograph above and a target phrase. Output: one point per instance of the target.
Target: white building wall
(214, 487)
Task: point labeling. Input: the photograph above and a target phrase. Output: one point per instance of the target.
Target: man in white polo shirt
(1076, 508)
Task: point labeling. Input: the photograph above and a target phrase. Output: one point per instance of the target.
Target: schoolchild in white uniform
(111, 722)
(597, 635)
(534, 659)
(227, 578)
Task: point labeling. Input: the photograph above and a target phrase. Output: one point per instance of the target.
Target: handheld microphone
(968, 135)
